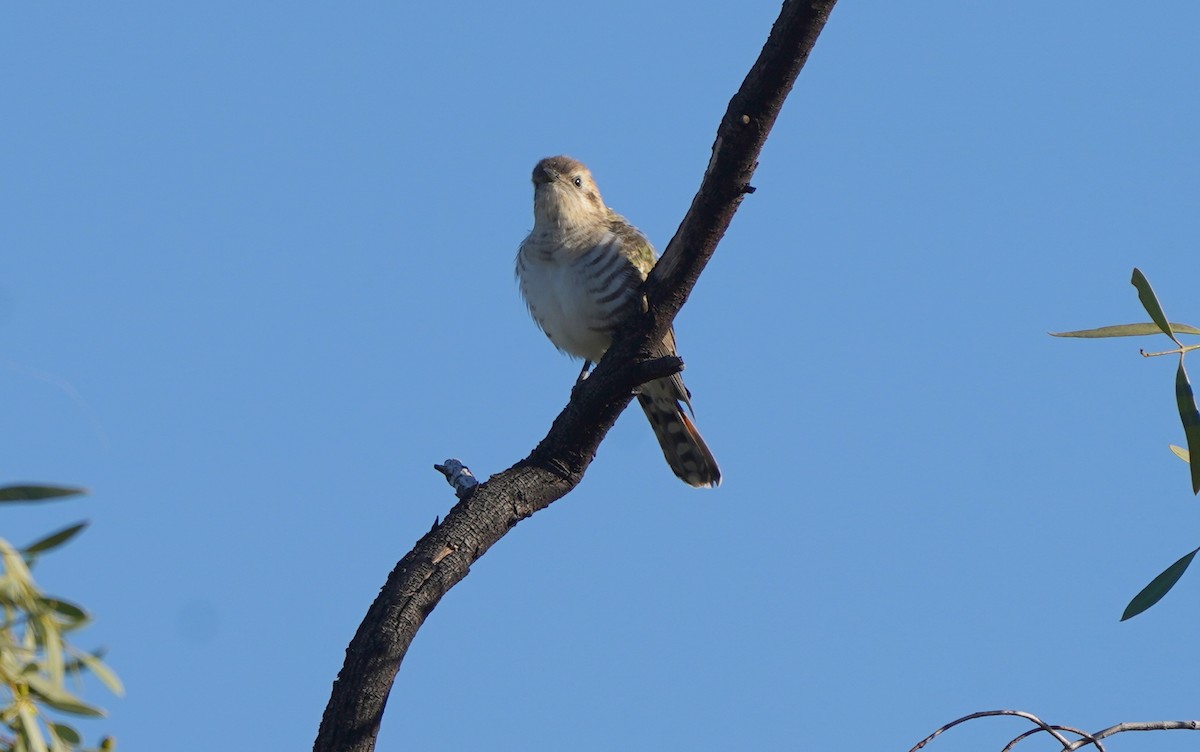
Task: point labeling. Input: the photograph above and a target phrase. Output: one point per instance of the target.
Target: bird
(580, 271)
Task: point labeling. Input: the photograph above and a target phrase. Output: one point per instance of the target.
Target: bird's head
(565, 195)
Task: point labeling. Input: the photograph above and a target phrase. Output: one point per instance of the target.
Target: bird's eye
(578, 181)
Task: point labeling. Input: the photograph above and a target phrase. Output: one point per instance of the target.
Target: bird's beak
(545, 174)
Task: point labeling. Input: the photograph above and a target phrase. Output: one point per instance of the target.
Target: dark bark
(445, 554)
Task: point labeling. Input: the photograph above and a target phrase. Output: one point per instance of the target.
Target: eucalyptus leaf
(1126, 330)
(37, 493)
(1190, 418)
(1151, 304)
(102, 672)
(1158, 587)
(76, 665)
(66, 733)
(52, 647)
(54, 540)
(69, 611)
(59, 698)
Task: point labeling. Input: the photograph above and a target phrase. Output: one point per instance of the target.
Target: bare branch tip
(1177, 351)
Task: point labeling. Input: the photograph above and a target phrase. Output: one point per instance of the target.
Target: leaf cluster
(37, 661)
(1185, 401)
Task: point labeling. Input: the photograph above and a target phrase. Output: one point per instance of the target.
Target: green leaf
(51, 641)
(54, 540)
(1181, 453)
(1191, 420)
(1151, 304)
(37, 493)
(102, 672)
(66, 733)
(69, 611)
(1126, 330)
(1158, 587)
(59, 698)
(77, 665)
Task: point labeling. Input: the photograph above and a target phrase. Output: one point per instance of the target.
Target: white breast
(560, 290)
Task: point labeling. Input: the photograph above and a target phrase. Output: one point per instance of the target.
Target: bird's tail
(685, 450)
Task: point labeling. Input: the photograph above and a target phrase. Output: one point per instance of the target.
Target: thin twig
(1087, 738)
(1053, 730)
(1139, 726)
(1177, 351)
(987, 713)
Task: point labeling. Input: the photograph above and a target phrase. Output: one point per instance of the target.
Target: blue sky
(257, 279)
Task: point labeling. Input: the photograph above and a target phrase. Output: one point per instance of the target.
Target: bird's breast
(577, 298)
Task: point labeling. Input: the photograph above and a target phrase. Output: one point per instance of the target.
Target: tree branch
(1065, 744)
(1121, 728)
(444, 555)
